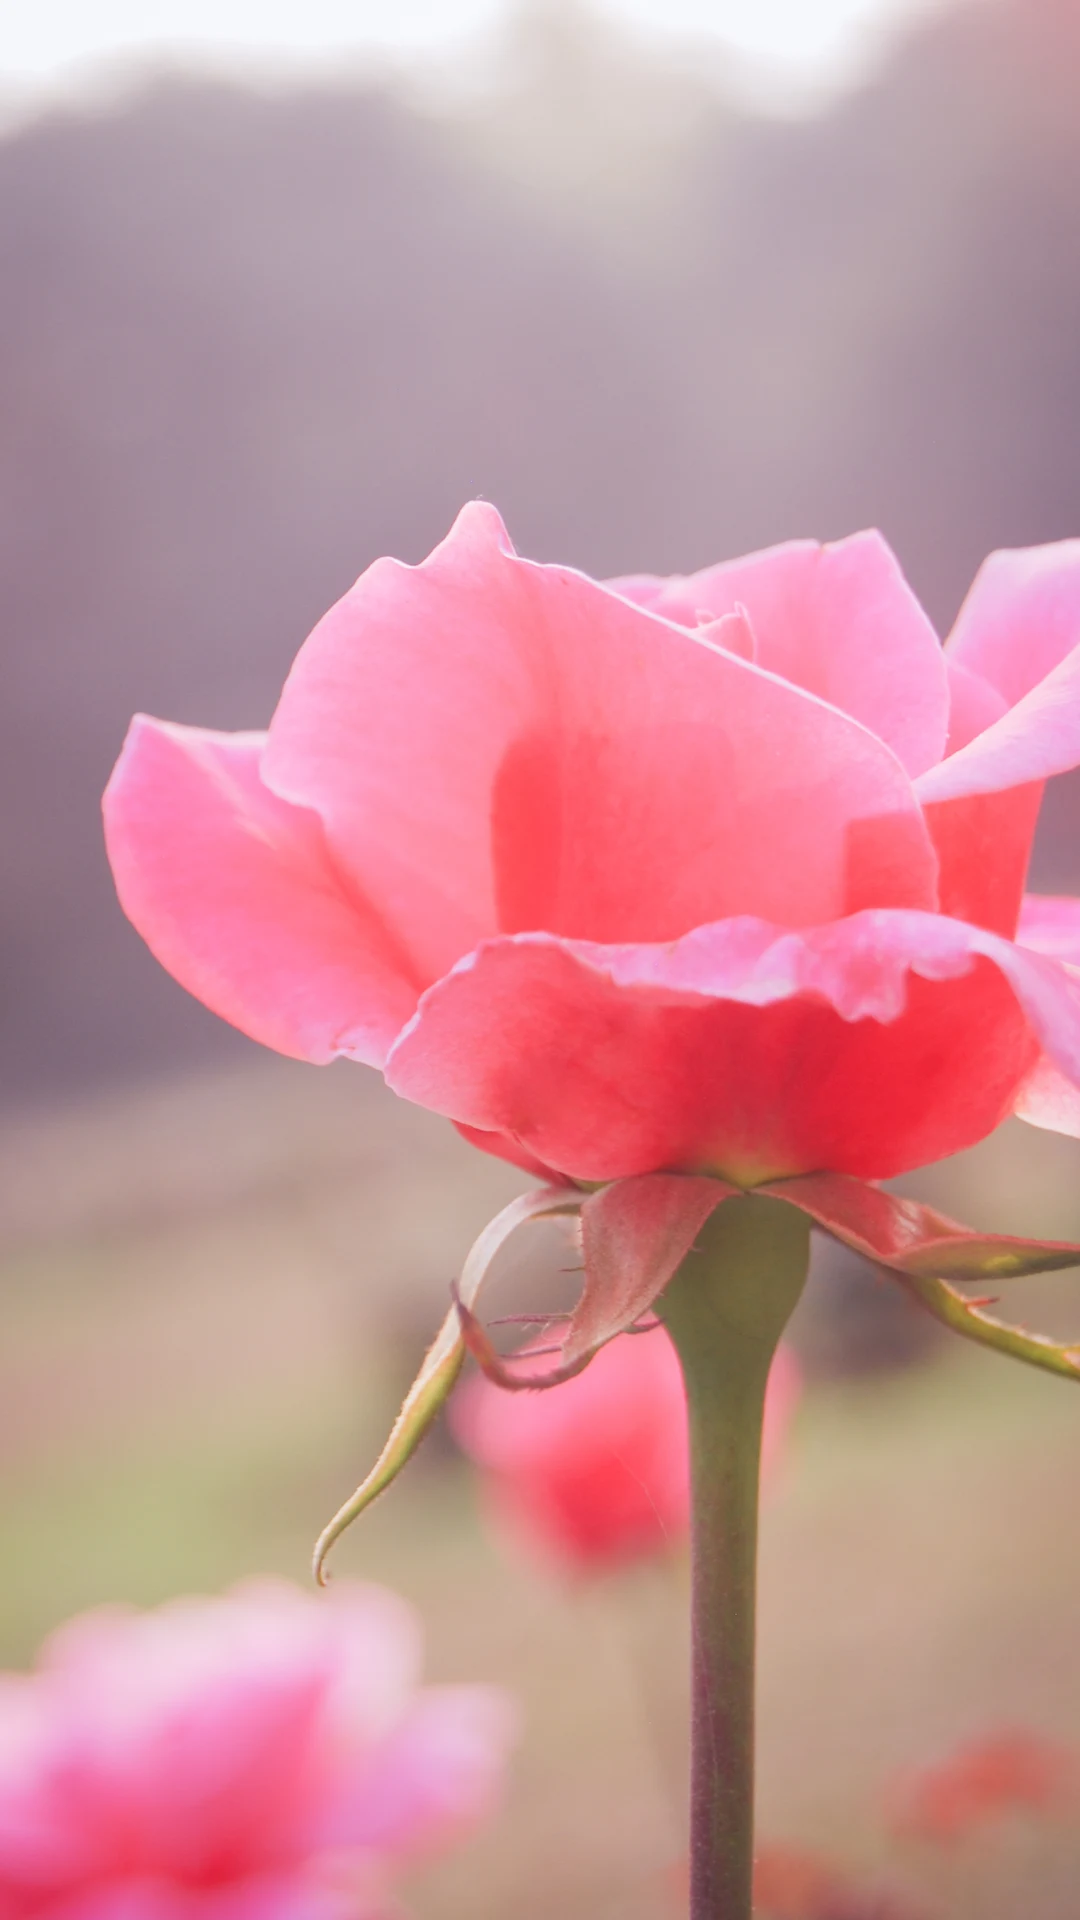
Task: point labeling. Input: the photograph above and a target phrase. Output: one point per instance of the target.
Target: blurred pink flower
(265, 1756)
(998, 1773)
(594, 1473)
(713, 874)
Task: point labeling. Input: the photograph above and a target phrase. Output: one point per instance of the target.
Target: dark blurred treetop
(248, 342)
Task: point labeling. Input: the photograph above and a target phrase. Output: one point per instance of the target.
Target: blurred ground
(210, 1296)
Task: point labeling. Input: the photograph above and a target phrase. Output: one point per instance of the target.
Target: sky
(799, 45)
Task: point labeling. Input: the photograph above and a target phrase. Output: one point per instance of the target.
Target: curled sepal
(442, 1362)
(966, 1317)
(635, 1233)
(913, 1239)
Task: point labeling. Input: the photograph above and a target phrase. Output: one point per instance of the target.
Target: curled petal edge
(442, 1362)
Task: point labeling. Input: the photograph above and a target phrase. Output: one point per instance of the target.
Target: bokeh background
(664, 296)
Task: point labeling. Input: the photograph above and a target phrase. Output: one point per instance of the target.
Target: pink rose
(596, 1475)
(714, 874)
(266, 1756)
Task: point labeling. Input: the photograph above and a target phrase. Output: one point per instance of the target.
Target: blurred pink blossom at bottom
(594, 1473)
(265, 1756)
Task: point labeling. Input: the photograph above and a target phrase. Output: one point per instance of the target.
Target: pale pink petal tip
(235, 893)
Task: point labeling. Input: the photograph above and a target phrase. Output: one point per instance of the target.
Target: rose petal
(236, 894)
(497, 745)
(868, 1046)
(839, 620)
(974, 705)
(1021, 617)
(1038, 737)
(1050, 923)
(1047, 1099)
(1019, 631)
(983, 843)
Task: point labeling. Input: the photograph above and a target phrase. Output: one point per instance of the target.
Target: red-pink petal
(236, 893)
(983, 843)
(495, 745)
(839, 620)
(868, 1046)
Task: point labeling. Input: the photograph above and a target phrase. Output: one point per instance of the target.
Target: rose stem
(725, 1310)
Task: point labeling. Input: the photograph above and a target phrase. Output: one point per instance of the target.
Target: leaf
(635, 1233)
(442, 1363)
(913, 1239)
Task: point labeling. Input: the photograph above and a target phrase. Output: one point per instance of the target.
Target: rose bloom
(266, 1756)
(597, 1475)
(716, 874)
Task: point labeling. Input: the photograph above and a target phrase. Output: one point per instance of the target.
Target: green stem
(725, 1311)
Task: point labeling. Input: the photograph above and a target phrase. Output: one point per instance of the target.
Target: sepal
(442, 1362)
(635, 1234)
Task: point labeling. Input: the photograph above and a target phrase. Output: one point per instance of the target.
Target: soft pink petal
(974, 705)
(438, 1773)
(497, 745)
(1021, 617)
(839, 620)
(868, 1046)
(1038, 737)
(236, 893)
(1050, 923)
(1047, 1099)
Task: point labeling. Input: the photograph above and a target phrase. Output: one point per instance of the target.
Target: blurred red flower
(718, 874)
(265, 1756)
(997, 1774)
(791, 1883)
(594, 1473)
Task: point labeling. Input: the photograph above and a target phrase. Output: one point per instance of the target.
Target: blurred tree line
(250, 340)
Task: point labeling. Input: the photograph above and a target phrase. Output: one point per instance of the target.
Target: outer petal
(236, 893)
(1018, 631)
(496, 745)
(1050, 924)
(839, 620)
(867, 1047)
(1038, 737)
(1021, 617)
